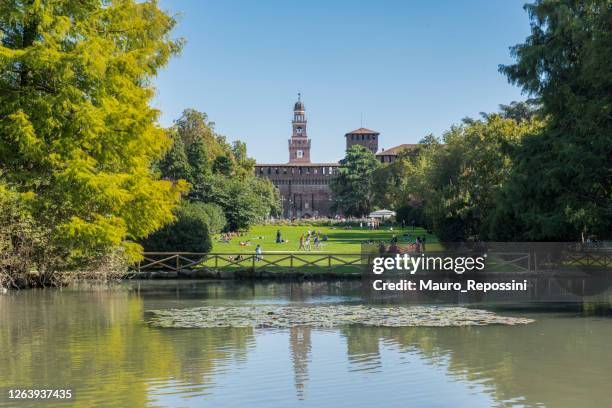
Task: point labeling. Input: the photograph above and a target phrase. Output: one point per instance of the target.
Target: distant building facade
(389, 155)
(305, 186)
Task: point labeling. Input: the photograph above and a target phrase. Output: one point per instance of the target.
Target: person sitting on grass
(382, 248)
(419, 245)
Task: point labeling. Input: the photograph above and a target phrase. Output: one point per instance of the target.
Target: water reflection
(94, 341)
(299, 343)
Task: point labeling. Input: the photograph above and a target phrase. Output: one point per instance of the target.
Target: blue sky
(409, 67)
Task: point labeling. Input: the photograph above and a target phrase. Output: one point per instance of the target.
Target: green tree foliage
(219, 173)
(520, 111)
(223, 165)
(245, 202)
(245, 164)
(391, 183)
(21, 241)
(454, 188)
(561, 185)
(353, 187)
(77, 133)
(188, 233)
(464, 178)
(401, 185)
(409, 213)
(214, 215)
(175, 164)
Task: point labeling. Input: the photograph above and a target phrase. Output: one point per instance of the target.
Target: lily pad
(327, 316)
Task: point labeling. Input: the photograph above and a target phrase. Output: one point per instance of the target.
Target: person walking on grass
(307, 243)
(258, 256)
(279, 239)
(316, 241)
(301, 242)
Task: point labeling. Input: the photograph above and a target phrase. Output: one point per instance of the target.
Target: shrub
(215, 217)
(188, 233)
(28, 256)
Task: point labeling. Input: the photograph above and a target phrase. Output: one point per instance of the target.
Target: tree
(561, 184)
(392, 183)
(223, 165)
(175, 165)
(401, 184)
(219, 173)
(77, 133)
(244, 164)
(21, 241)
(463, 180)
(214, 217)
(188, 233)
(352, 188)
(199, 168)
(245, 202)
(454, 187)
(519, 111)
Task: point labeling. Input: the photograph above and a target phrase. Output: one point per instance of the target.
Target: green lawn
(340, 241)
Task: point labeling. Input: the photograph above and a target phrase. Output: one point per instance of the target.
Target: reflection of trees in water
(102, 349)
(558, 361)
(245, 290)
(303, 291)
(300, 344)
(363, 349)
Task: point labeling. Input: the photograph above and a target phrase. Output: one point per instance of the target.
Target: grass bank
(339, 240)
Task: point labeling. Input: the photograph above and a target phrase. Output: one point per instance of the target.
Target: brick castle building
(303, 185)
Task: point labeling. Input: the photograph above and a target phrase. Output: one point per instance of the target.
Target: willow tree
(77, 133)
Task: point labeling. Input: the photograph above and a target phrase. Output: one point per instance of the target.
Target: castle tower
(364, 137)
(299, 144)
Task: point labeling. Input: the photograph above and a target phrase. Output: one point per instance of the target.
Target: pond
(98, 342)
